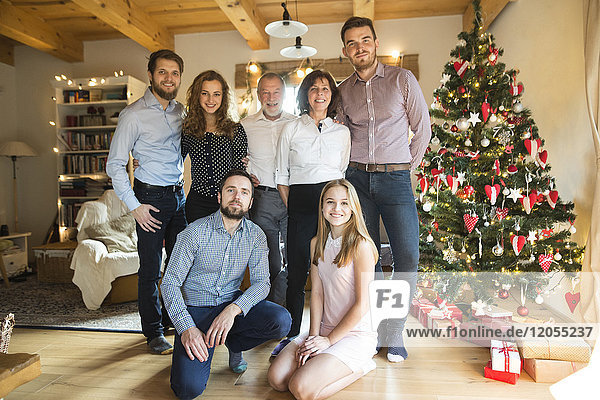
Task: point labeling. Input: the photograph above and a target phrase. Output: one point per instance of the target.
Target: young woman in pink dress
(340, 345)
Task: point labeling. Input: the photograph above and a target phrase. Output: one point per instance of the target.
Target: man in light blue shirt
(150, 128)
(201, 289)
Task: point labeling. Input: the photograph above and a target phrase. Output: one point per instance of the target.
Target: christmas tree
(487, 202)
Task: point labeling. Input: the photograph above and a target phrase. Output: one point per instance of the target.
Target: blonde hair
(355, 230)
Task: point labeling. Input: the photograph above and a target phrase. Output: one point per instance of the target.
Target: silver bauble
(493, 118)
(572, 229)
(427, 207)
(435, 141)
(485, 142)
(446, 126)
(505, 191)
(498, 250)
(468, 142)
(517, 107)
(501, 108)
(558, 256)
(486, 224)
(430, 238)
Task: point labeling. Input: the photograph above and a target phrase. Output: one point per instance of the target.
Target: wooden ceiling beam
(132, 21)
(244, 15)
(18, 25)
(7, 52)
(364, 8)
(489, 11)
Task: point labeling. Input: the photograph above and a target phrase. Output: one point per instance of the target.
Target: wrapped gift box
(415, 305)
(507, 377)
(448, 312)
(574, 349)
(505, 357)
(550, 371)
(493, 313)
(444, 324)
(473, 333)
(424, 309)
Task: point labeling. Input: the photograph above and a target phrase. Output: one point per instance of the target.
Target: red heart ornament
(470, 221)
(501, 213)
(572, 300)
(485, 110)
(435, 171)
(461, 67)
(542, 157)
(492, 192)
(552, 198)
(533, 146)
(545, 261)
(452, 182)
(424, 183)
(515, 90)
(517, 243)
(529, 201)
(497, 167)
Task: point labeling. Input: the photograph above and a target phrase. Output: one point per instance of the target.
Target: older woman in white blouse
(312, 150)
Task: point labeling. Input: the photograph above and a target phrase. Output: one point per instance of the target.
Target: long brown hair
(309, 80)
(354, 231)
(195, 122)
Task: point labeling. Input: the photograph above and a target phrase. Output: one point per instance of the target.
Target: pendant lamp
(298, 50)
(286, 27)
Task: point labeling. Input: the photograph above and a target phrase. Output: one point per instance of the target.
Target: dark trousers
(198, 206)
(303, 213)
(389, 195)
(265, 321)
(172, 215)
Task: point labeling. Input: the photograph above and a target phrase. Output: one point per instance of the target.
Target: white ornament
(435, 141)
(474, 119)
(532, 237)
(505, 191)
(485, 142)
(427, 207)
(445, 78)
(572, 229)
(517, 107)
(501, 108)
(430, 238)
(468, 142)
(526, 134)
(486, 224)
(461, 178)
(539, 299)
(515, 194)
(558, 256)
(498, 250)
(462, 124)
(493, 118)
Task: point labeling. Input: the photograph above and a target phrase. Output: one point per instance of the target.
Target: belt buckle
(371, 167)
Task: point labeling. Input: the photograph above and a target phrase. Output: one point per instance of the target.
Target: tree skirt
(59, 305)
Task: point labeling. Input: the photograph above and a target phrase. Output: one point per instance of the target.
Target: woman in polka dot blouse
(214, 142)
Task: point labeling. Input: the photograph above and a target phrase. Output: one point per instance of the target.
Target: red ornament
(454, 128)
(470, 221)
(469, 190)
(572, 300)
(493, 56)
(505, 114)
(462, 89)
(503, 294)
(522, 311)
(552, 198)
(461, 67)
(517, 89)
(545, 261)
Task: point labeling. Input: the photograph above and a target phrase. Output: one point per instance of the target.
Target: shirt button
(368, 100)
(371, 118)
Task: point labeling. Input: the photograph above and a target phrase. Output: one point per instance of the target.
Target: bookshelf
(87, 112)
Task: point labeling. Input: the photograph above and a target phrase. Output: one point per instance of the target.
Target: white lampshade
(286, 29)
(298, 50)
(17, 149)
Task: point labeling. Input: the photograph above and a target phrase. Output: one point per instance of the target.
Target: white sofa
(95, 268)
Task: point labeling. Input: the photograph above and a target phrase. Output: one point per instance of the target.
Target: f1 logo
(388, 300)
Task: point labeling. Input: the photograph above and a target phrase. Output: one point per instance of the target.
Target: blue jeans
(389, 195)
(270, 214)
(172, 215)
(265, 321)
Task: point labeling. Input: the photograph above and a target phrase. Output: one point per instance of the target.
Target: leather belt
(265, 188)
(147, 186)
(379, 167)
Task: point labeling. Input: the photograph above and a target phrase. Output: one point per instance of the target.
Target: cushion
(117, 235)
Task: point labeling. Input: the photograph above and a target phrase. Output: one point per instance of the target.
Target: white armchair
(95, 267)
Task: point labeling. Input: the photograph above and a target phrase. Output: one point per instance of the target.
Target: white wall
(551, 67)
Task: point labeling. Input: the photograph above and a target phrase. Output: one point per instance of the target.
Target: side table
(14, 258)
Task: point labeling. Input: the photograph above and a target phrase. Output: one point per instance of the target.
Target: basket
(53, 262)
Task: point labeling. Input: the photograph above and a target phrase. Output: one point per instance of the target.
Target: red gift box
(501, 376)
(414, 306)
(493, 313)
(424, 309)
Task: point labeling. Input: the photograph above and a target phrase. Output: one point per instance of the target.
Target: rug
(59, 306)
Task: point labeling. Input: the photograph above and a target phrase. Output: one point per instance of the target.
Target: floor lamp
(14, 150)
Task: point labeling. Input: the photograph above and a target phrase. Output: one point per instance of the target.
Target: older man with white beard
(268, 212)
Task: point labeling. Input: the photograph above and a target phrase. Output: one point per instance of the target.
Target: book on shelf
(83, 187)
(76, 141)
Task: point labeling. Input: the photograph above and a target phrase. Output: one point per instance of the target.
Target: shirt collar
(307, 120)
(379, 71)
(260, 116)
(217, 222)
(152, 101)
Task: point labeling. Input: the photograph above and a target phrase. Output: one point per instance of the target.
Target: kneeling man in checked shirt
(201, 289)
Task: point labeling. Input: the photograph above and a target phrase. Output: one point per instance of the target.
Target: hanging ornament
(485, 142)
(557, 256)
(516, 89)
(430, 237)
(523, 311)
(454, 128)
(468, 142)
(501, 213)
(493, 118)
(446, 126)
(485, 109)
(474, 118)
(492, 192)
(493, 56)
(505, 191)
(463, 249)
(452, 182)
(469, 190)
(462, 89)
(542, 159)
(517, 107)
(461, 67)
(517, 226)
(539, 299)
(462, 124)
(529, 201)
(572, 300)
(503, 294)
(427, 206)
(533, 146)
(572, 229)
(435, 141)
(498, 250)
(512, 169)
(552, 198)
(545, 261)
(470, 221)
(517, 243)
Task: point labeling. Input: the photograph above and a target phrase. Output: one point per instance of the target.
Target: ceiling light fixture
(286, 27)
(298, 50)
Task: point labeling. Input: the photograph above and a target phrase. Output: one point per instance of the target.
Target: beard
(269, 113)
(232, 213)
(365, 63)
(163, 93)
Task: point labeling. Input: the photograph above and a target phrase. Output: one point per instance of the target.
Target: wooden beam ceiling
(132, 21)
(7, 51)
(489, 11)
(364, 8)
(18, 25)
(244, 15)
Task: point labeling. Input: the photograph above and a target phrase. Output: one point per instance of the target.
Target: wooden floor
(98, 365)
